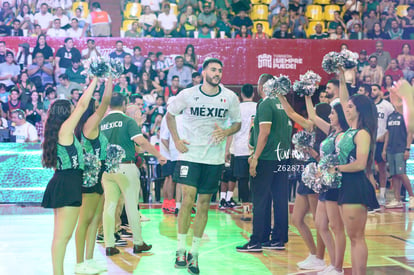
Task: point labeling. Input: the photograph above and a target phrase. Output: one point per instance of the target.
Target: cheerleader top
(70, 156)
(96, 146)
(346, 148)
(328, 145)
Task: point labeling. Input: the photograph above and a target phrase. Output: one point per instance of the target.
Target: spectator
(64, 20)
(222, 5)
(6, 14)
(371, 5)
(242, 19)
(167, 21)
(333, 25)
(36, 31)
(4, 94)
(240, 5)
(195, 80)
(386, 6)
(148, 22)
(373, 71)
(43, 18)
(172, 90)
(377, 33)
(25, 87)
(9, 71)
(76, 72)
(156, 110)
(74, 96)
(56, 30)
(43, 47)
(23, 131)
(187, 22)
(224, 24)
(49, 98)
(40, 72)
(183, 4)
(386, 20)
(119, 52)
(279, 19)
(23, 57)
(153, 4)
(299, 21)
(183, 72)
(14, 103)
(396, 32)
(387, 86)
(16, 30)
(207, 17)
(318, 33)
(203, 3)
(204, 32)
(90, 51)
(283, 32)
(147, 67)
(4, 124)
(137, 58)
(2, 51)
(65, 55)
(260, 34)
(148, 88)
(81, 20)
(354, 20)
(25, 16)
(370, 21)
(352, 6)
(408, 23)
(243, 33)
(394, 70)
(75, 31)
(190, 58)
(357, 34)
(295, 6)
(406, 61)
(323, 97)
(65, 88)
(133, 32)
(34, 109)
(383, 57)
(163, 63)
(364, 89)
(362, 62)
(275, 6)
(64, 4)
(129, 68)
(123, 87)
(99, 21)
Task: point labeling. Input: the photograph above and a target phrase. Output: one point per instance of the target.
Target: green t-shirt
(71, 156)
(319, 36)
(279, 141)
(121, 130)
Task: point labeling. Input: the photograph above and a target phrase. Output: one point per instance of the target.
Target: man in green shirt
(268, 168)
(122, 130)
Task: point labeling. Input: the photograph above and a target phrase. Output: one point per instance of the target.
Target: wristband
(407, 149)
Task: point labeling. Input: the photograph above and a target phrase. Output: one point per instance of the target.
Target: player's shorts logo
(183, 171)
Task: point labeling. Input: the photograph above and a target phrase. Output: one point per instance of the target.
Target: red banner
(244, 60)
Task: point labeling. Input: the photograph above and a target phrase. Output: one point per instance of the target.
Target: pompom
(99, 67)
(283, 85)
(303, 140)
(269, 86)
(349, 59)
(311, 177)
(311, 77)
(117, 67)
(330, 62)
(302, 88)
(91, 170)
(114, 156)
(330, 180)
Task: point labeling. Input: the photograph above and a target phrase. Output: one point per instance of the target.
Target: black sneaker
(180, 259)
(192, 266)
(273, 245)
(193, 210)
(231, 203)
(250, 247)
(223, 204)
(124, 233)
(100, 238)
(176, 211)
(119, 241)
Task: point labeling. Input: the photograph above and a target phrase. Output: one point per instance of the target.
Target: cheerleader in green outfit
(63, 152)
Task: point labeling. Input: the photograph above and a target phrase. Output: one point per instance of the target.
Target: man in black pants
(269, 181)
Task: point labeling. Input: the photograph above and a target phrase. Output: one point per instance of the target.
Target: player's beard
(209, 80)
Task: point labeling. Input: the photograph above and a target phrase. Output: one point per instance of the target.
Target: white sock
(181, 241)
(222, 195)
(178, 204)
(195, 246)
(229, 195)
(382, 192)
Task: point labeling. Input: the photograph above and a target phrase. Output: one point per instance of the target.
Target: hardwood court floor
(26, 233)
